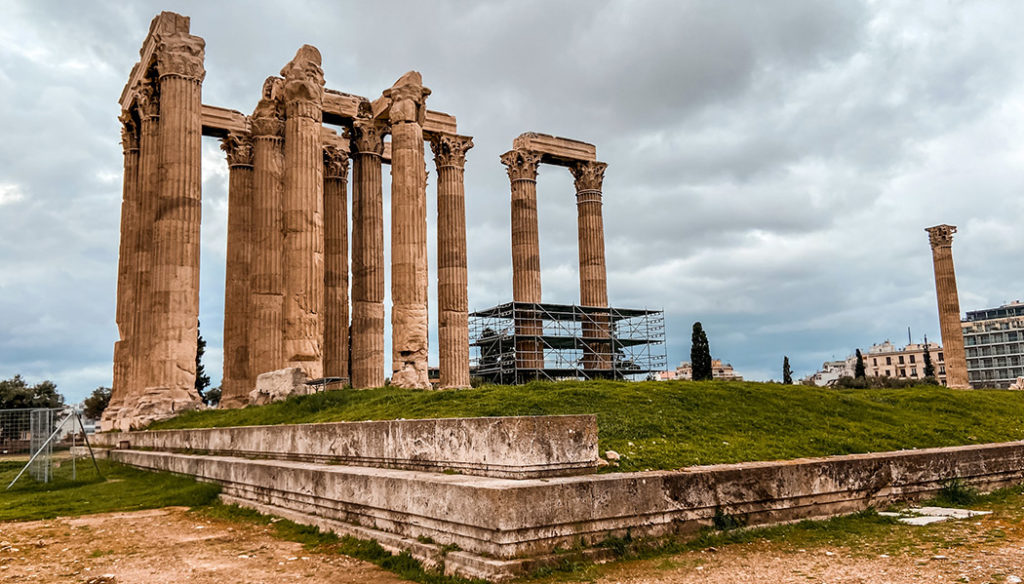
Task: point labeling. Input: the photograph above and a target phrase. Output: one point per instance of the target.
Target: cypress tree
(202, 379)
(858, 372)
(700, 354)
(787, 373)
(929, 368)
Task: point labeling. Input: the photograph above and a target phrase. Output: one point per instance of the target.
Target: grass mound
(673, 424)
(122, 488)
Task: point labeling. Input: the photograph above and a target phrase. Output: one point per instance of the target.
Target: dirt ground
(165, 546)
(171, 546)
(762, 563)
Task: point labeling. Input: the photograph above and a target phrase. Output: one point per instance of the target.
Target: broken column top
(404, 100)
(555, 149)
(169, 23)
(941, 234)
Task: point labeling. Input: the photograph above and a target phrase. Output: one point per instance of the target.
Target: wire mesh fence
(27, 432)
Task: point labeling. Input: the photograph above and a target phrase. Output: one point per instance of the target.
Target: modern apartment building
(994, 343)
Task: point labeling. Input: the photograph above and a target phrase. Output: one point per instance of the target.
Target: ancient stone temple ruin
(941, 239)
(287, 301)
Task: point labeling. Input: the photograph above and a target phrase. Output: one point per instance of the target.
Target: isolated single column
(336, 258)
(237, 381)
(303, 213)
(176, 233)
(522, 172)
(452, 294)
(409, 319)
(941, 239)
(593, 280)
(367, 333)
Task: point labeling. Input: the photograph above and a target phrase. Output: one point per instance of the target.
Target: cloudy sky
(771, 165)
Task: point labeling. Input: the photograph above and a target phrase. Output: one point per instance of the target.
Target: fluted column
(941, 239)
(522, 172)
(367, 139)
(176, 233)
(336, 259)
(266, 345)
(303, 213)
(452, 294)
(409, 319)
(237, 381)
(125, 359)
(593, 280)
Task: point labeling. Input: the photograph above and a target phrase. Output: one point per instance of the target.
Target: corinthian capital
(148, 99)
(181, 55)
(238, 147)
(450, 150)
(367, 136)
(304, 83)
(335, 162)
(521, 164)
(588, 175)
(941, 235)
(129, 132)
(268, 117)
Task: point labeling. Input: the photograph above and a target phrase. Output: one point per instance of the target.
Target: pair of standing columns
(158, 289)
(522, 166)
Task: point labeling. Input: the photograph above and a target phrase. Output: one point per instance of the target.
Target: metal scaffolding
(518, 342)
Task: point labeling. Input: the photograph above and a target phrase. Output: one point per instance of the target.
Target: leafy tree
(700, 354)
(858, 371)
(929, 368)
(17, 393)
(202, 379)
(787, 373)
(96, 403)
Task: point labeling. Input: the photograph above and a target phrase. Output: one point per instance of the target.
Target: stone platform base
(505, 527)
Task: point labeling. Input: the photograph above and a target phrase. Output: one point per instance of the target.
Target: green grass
(124, 489)
(667, 425)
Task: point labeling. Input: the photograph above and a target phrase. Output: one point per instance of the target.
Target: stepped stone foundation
(287, 273)
(508, 526)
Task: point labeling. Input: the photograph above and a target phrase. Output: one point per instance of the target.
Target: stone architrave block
(279, 385)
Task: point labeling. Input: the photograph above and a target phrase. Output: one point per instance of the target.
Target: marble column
(367, 139)
(176, 232)
(336, 260)
(125, 360)
(522, 172)
(593, 280)
(144, 319)
(237, 381)
(941, 239)
(303, 213)
(452, 282)
(409, 283)
(266, 345)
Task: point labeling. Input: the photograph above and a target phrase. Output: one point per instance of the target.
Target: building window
(913, 371)
(903, 372)
(874, 361)
(940, 357)
(888, 360)
(888, 373)
(911, 358)
(901, 359)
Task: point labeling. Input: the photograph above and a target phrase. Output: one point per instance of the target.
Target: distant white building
(719, 370)
(884, 360)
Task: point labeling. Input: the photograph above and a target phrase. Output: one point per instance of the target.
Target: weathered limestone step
(508, 447)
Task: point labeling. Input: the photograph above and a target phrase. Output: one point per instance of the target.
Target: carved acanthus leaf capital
(941, 235)
(129, 132)
(181, 55)
(304, 81)
(147, 98)
(521, 164)
(450, 150)
(367, 135)
(589, 175)
(238, 148)
(335, 162)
